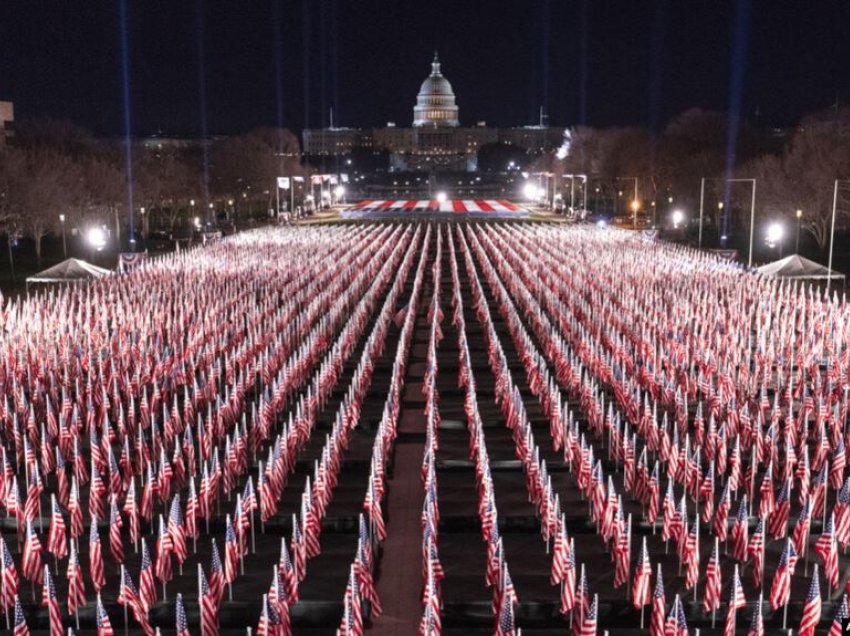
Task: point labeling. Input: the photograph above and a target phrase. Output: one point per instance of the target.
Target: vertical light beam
(125, 95)
(740, 44)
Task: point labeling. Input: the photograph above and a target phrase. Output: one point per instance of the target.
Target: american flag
(147, 584)
(691, 557)
(95, 558)
(216, 578)
(116, 546)
(75, 510)
(181, 624)
(721, 517)
(231, 552)
(756, 552)
(812, 607)
(20, 627)
(841, 615)
(506, 625)
(676, 624)
(104, 626)
(781, 589)
(778, 524)
(31, 563)
(57, 544)
(827, 549)
(164, 546)
(841, 510)
(208, 606)
(800, 536)
(736, 602)
(588, 623)
(353, 618)
(49, 600)
(175, 530)
(740, 532)
(9, 576)
(643, 573)
(713, 582)
(129, 597)
(757, 622)
(269, 624)
(76, 582)
(659, 609)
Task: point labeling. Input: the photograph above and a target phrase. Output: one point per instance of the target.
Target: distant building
(7, 116)
(436, 140)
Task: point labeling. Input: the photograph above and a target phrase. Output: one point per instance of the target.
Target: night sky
(602, 62)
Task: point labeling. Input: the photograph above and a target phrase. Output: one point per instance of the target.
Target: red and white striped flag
(812, 607)
(51, 602)
(641, 584)
(713, 582)
(781, 589)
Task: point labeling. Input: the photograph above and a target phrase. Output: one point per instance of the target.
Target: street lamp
(774, 236)
(635, 205)
(64, 239)
(678, 217)
(96, 238)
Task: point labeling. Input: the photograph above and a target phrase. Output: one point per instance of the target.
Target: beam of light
(305, 43)
(278, 61)
(125, 95)
(323, 62)
(740, 44)
(660, 23)
(582, 77)
(547, 19)
(202, 93)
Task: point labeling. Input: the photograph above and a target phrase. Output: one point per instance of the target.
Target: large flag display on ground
(576, 406)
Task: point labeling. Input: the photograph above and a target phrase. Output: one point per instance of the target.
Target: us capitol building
(436, 141)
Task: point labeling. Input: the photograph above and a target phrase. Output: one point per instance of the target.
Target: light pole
(799, 217)
(752, 214)
(64, 238)
(572, 178)
(832, 233)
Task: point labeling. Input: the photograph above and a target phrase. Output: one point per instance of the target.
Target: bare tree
(803, 176)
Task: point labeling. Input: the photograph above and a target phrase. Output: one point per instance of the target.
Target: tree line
(794, 169)
(53, 173)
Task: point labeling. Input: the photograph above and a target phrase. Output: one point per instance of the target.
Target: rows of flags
(145, 406)
(137, 431)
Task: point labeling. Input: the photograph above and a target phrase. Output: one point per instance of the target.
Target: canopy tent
(796, 266)
(69, 271)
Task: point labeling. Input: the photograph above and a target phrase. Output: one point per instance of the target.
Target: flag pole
(696, 547)
(260, 494)
(200, 602)
(121, 585)
(629, 555)
(753, 469)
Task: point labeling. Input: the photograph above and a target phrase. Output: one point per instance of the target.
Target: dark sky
(600, 62)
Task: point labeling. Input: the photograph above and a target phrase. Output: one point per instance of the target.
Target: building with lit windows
(436, 141)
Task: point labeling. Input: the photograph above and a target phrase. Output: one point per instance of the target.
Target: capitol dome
(435, 103)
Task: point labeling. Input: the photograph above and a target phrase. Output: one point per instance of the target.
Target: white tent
(798, 267)
(69, 271)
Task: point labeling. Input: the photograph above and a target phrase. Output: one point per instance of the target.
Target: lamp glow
(678, 217)
(96, 238)
(775, 232)
(442, 197)
(529, 190)
(339, 191)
